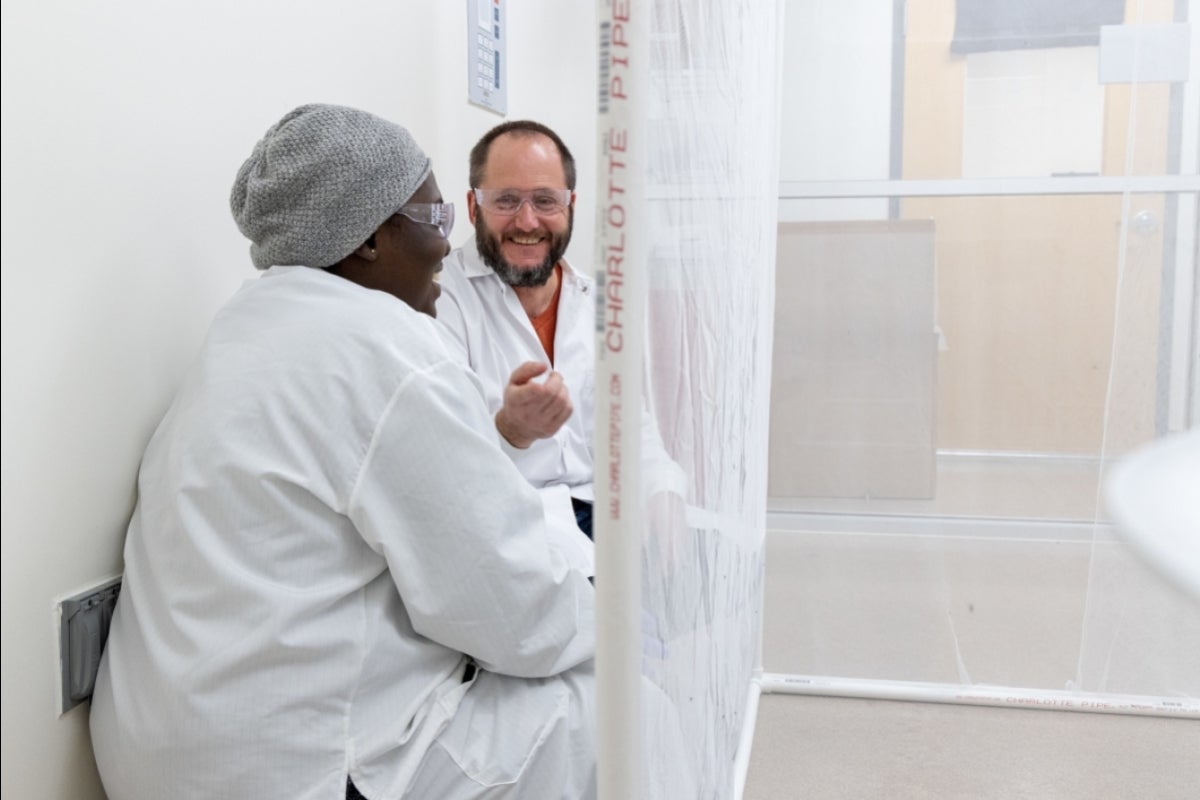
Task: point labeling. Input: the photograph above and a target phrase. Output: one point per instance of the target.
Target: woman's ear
(367, 250)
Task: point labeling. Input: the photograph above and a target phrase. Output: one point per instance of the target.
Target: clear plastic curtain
(966, 363)
(695, 90)
(1141, 632)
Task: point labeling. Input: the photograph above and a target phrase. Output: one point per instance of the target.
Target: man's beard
(489, 250)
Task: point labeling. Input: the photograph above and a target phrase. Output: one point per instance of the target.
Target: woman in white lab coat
(336, 584)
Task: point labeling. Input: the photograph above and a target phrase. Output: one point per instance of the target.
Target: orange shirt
(545, 323)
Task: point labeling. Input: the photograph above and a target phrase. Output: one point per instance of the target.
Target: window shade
(983, 25)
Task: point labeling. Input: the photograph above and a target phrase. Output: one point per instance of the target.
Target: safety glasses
(508, 202)
(440, 215)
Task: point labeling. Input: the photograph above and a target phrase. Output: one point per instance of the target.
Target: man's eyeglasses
(508, 202)
(440, 215)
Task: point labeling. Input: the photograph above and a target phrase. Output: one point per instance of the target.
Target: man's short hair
(519, 127)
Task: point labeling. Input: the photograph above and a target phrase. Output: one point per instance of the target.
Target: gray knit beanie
(321, 181)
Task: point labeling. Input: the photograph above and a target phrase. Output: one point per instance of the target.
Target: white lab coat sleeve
(464, 534)
(567, 538)
(452, 327)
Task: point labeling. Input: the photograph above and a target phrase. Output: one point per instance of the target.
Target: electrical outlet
(83, 621)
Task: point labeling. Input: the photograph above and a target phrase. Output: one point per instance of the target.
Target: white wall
(835, 56)
(123, 127)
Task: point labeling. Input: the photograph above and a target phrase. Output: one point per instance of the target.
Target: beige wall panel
(1026, 289)
(854, 360)
(1028, 295)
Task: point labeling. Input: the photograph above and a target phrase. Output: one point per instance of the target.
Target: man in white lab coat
(336, 583)
(524, 318)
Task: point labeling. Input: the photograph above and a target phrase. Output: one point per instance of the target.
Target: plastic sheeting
(980, 344)
(976, 315)
(686, 243)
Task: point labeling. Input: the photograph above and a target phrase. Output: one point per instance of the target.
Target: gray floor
(831, 748)
(1041, 604)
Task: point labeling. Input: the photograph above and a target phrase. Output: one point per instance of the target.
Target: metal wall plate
(84, 620)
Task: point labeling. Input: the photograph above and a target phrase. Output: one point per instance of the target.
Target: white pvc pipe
(990, 187)
(974, 695)
(912, 691)
(1185, 336)
(741, 761)
(620, 276)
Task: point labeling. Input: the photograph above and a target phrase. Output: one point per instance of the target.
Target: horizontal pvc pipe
(991, 187)
(973, 695)
(937, 527)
